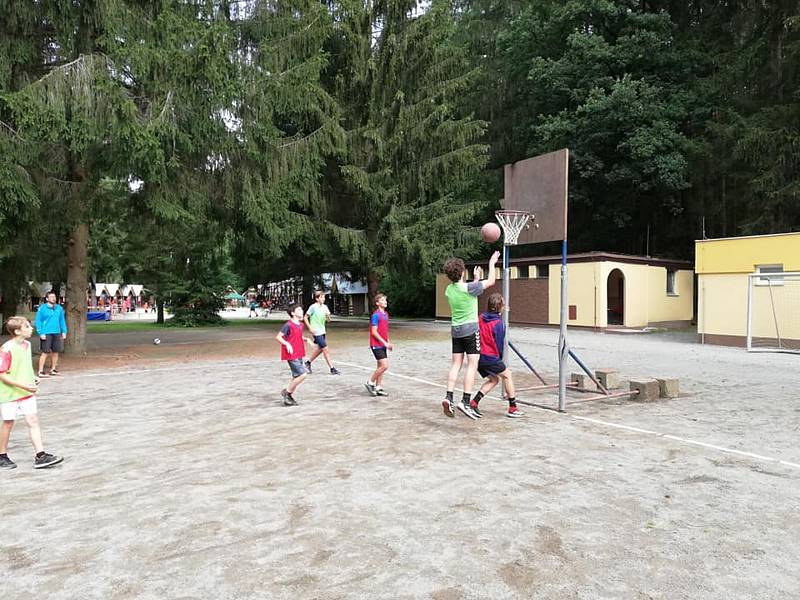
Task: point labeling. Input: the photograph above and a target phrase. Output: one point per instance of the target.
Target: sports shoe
(6, 464)
(371, 389)
(474, 406)
(447, 408)
(380, 391)
(55, 372)
(46, 460)
(514, 412)
(335, 371)
(287, 398)
(42, 375)
(464, 408)
(308, 366)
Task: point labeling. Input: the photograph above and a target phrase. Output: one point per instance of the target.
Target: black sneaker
(371, 389)
(287, 398)
(474, 406)
(464, 408)
(380, 391)
(335, 371)
(308, 366)
(6, 464)
(46, 460)
(447, 408)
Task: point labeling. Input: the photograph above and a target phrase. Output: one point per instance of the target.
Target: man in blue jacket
(51, 327)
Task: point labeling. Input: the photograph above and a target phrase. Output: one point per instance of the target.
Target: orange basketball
(490, 232)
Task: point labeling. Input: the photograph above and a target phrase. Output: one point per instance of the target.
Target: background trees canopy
(266, 138)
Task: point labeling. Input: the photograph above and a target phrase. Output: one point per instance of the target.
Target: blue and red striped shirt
(493, 336)
(293, 333)
(380, 319)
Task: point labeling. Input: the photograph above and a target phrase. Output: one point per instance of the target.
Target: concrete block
(608, 378)
(582, 379)
(668, 388)
(648, 389)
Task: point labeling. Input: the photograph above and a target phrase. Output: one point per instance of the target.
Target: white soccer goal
(773, 312)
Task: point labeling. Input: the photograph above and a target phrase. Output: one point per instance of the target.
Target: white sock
(372, 383)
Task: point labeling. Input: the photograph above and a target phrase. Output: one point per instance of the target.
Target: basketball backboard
(539, 186)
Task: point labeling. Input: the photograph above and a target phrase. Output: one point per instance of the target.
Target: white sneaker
(371, 389)
(380, 391)
(464, 408)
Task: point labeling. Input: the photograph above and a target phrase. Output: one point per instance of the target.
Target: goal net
(773, 312)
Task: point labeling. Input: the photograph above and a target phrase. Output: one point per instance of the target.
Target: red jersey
(293, 333)
(380, 319)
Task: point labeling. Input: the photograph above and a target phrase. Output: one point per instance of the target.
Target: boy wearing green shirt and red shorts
(18, 388)
(464, 330)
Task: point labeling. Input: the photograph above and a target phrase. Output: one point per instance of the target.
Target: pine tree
(397, 198)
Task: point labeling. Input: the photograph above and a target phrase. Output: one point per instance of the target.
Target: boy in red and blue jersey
(293, 351)
(490, 364)
(379, 344)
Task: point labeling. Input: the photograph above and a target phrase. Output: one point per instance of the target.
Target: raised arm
(490, 281)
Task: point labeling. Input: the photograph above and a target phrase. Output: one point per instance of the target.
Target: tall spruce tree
(286, 123)
(397, 198)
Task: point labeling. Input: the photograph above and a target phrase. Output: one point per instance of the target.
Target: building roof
(597, 257)
(747, 237)
(341, 283)
(745, 254)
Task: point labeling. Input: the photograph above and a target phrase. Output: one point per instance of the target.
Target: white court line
(666, 436)
(630, 428)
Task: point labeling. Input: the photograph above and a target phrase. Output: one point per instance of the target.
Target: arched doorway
(616, 298)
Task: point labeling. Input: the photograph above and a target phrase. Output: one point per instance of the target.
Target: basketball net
(512, 222)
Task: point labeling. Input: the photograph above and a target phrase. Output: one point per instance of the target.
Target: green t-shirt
(463, 299)
(317, 315)
(15, 361)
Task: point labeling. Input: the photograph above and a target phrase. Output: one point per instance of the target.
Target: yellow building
(604, 290)
(723, 266)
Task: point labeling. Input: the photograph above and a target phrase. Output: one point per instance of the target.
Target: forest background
(194, 144)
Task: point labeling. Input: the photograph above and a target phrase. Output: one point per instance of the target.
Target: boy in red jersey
(379, 343)
(292, 351)
(490, 364)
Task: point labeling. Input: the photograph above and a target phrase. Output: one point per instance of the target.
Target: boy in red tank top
(379, 344)
(293, 350)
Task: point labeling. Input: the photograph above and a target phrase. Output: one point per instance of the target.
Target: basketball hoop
(512, 222)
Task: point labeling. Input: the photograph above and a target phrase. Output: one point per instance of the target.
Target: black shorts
(379, 353)
(471, 344)
(489, 369)
(52, 342)
(320, 341)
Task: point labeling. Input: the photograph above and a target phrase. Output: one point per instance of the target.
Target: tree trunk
(11, 285)
(373, 283)
(160, 312)
(77, 278)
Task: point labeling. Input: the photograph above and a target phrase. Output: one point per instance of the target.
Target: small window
(769, 269)
(523, 272)
(672, 283)
(542, 271)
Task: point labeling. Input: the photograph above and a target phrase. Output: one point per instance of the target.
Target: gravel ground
(185, 478)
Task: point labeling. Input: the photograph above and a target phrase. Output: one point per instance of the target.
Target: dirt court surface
(185, 477)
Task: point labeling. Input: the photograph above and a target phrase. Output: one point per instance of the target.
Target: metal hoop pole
(506, 299)
(563, 349)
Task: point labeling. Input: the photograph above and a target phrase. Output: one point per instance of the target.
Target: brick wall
(529, 300)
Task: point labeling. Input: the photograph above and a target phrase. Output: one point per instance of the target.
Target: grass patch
(121, 326)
